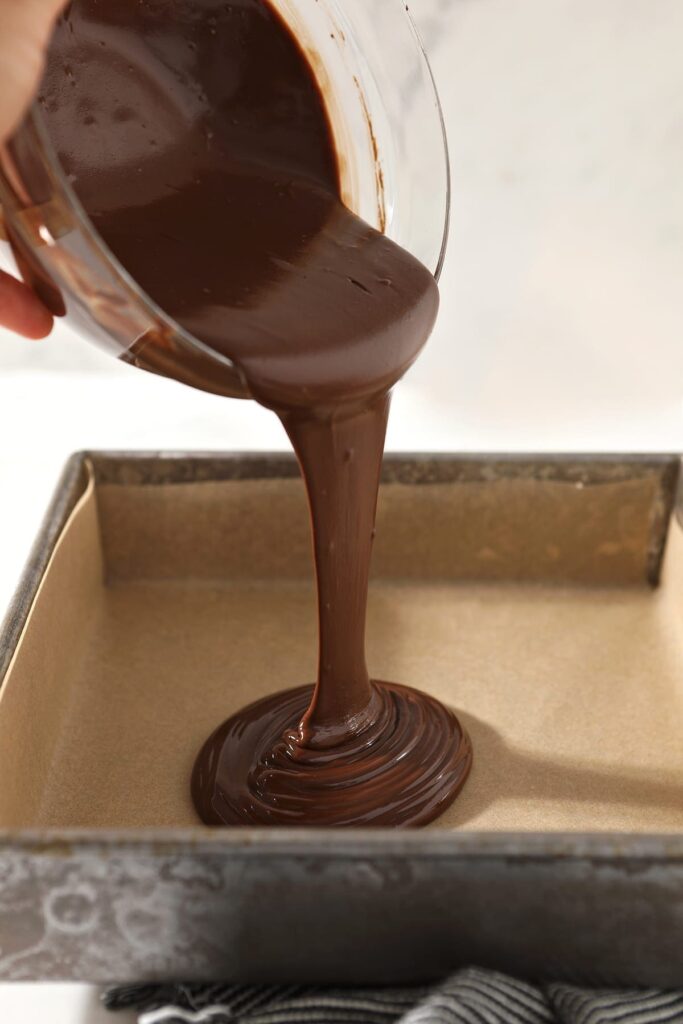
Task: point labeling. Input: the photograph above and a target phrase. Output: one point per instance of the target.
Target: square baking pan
(542, 597)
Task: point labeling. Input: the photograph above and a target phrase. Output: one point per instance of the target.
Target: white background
(562, 296)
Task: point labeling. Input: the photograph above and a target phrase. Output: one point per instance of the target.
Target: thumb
(21, 310)
(25, 27)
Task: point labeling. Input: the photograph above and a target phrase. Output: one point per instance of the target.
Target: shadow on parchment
(502, 772)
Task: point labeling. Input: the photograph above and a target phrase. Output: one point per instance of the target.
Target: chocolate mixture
(196, 138)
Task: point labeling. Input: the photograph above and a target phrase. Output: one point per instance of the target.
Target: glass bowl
(394, 168)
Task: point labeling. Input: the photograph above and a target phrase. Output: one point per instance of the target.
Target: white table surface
(562, 296)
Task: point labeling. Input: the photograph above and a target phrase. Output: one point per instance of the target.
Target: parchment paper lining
(164, 609)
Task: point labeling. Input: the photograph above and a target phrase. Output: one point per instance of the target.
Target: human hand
(25, 27)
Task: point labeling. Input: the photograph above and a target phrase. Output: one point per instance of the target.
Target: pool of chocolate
(200, 147)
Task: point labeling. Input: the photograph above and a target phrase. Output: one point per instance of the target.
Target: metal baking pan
(539, 595)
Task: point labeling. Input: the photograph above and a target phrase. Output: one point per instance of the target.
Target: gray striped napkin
(472, 996)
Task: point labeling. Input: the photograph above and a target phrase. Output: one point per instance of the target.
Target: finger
(24, 33)
(21, 310)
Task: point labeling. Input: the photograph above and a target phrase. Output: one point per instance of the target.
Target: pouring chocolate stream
(196, 138)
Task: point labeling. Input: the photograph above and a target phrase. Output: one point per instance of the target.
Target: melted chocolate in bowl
(196, 138)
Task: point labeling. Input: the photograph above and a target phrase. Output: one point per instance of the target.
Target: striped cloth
(472, 996)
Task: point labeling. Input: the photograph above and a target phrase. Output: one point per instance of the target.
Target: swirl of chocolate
(403, 768)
